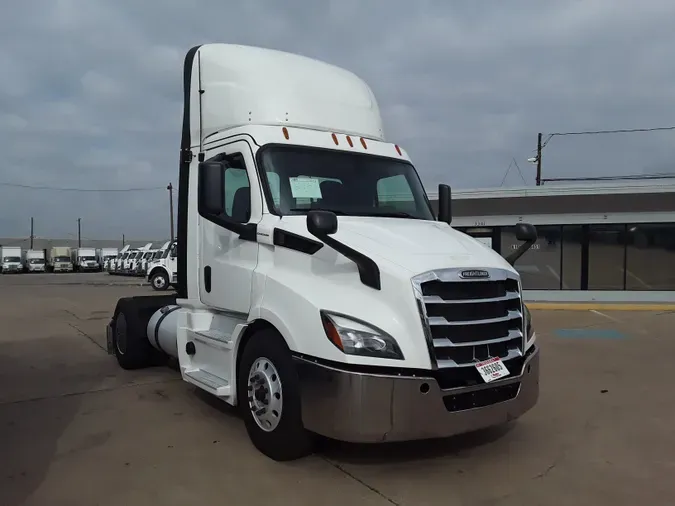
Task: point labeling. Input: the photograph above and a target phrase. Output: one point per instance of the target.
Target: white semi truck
(34, 260)
(161, 273)
(59, 259)
(84, 260)
(307, 295)
(10, 259)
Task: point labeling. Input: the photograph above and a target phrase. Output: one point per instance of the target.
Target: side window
(395, 192)
(237, 189)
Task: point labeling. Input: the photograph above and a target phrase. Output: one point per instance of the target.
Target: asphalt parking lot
(77, 430)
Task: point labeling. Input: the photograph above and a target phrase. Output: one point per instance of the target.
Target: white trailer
(84, 260)
(116, 264)
(316, 289)
(10, 259)
(34, 260)
(161, 273)
(59, 259)
(105, 256)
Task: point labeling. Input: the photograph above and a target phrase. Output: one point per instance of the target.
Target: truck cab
(161, 272)
(316, 289)
(85, 260)
(34, 261)
(10, 259)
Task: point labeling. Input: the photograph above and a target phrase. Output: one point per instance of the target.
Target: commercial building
(610, 242)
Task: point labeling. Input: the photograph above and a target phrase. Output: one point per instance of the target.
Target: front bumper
(370, 408)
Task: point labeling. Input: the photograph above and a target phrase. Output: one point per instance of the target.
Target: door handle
(207, 279)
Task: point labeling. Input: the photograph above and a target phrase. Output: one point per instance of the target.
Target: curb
(594, 306)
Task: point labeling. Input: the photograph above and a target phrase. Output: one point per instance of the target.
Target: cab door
(226, 260)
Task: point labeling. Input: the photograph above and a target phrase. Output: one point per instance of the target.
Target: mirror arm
(369, 272)
(522, 249)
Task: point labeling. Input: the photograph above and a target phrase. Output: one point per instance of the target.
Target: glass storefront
(636, 256)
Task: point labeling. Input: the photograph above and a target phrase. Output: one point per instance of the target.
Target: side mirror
(524, 232)
(321, 223)
(444, 203)
(211, 188)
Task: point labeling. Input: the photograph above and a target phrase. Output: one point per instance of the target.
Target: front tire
(269, 398)
(159, 281)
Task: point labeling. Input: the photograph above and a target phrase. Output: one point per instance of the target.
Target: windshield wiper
(393, 214)
(335, 211)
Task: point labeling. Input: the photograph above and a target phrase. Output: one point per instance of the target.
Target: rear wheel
(269, 398)
(131, 345)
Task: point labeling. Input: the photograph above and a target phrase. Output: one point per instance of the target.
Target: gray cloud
(90, 91)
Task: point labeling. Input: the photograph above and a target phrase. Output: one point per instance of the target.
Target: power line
(56, 188)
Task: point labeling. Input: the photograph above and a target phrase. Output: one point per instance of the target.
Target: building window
(650, 256)
(539, 267)
(606, 257)
(572, 236)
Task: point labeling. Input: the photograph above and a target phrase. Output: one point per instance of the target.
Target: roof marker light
(363, 143)
(335, 140)
(285, 131)
(398, 150)
(349, 141)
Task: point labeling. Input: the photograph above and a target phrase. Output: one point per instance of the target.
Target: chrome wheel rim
(158, 281)
(265, 399)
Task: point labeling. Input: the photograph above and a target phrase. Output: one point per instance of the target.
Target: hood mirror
(444, 203)
(524, 232)
(322, 223)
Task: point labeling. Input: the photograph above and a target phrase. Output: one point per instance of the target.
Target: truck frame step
(210, 382)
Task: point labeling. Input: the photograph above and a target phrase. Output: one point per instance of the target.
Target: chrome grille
(469, 320)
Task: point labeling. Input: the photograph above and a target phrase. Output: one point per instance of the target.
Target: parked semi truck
(34, 260)
(306, 294)
(59, 259)
(84, 260)
(161, 273)
(10, 257)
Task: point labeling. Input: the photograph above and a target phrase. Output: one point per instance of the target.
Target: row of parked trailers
(14, 259)
(157, 265)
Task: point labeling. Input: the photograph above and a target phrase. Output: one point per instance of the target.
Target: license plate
(492, 369)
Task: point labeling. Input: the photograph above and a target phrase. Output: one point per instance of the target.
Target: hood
(415, 245)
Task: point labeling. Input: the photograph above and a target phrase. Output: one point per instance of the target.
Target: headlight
(358, 338)
(528, 323)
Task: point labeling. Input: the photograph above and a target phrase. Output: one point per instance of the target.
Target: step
(210, 337)
(209, 382)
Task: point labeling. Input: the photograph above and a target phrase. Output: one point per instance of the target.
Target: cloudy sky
(90, 92)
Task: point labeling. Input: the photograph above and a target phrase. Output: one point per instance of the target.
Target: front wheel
(269, 398)
(159, 281)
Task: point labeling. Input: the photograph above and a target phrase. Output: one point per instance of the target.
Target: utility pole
(123, 240)
(79, 232)
(32, 236)
(538, 180)
(170, 188)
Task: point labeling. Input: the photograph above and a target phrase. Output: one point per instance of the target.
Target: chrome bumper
(368, 408)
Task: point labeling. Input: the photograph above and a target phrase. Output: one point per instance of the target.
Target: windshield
(87, 259)
(11, 259)
(302, 178)
(110, 257)
(158, 254)
(36, 261)
(62, 259)
(148, 254)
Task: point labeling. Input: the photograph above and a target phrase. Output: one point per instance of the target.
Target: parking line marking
(608, 306)
(606, 316)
